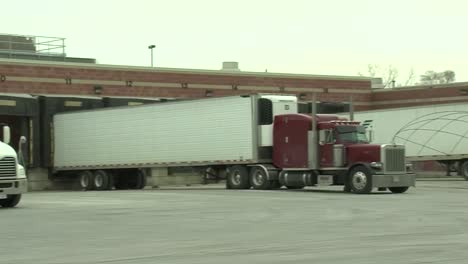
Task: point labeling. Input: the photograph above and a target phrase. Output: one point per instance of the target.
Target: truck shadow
(334, 192)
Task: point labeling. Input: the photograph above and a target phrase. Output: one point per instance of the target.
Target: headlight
(376, 165)
(21, 172)
(409, 167)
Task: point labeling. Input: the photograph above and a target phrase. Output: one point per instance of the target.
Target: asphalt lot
(429, 224)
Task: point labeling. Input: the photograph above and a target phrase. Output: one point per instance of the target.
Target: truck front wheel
(11, 201)
(238, 178)
(259, 179)
(360, 180)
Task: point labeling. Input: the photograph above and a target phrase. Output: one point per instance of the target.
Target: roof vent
(377, 83)
(230, 66)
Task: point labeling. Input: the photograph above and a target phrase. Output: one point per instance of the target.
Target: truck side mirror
(21, 143)
(6, 135)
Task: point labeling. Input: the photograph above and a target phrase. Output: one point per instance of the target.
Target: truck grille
(395, 159)
(7, 167)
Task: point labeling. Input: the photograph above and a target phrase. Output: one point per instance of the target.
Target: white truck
(13, 182)
(430, 133)
(258, 141)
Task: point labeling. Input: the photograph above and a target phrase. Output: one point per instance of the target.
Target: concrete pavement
(429, 224)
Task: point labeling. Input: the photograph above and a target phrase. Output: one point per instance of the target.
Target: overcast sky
(334, 37)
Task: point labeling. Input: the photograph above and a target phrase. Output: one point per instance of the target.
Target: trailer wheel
(101, 180)
(11, 201)
(398, 189)
(259, 179)
(136, 181)
(141, 180)
(360, 179)
(238, 177)
(121, 183)
(464, 169)
(111, 183)
(84, 180)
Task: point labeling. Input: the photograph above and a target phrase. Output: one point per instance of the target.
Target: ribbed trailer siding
(53, 104)
(205, 131)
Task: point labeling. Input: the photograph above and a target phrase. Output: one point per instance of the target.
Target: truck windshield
(352, 134)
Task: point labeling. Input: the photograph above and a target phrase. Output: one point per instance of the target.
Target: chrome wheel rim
(359, 180)
(84, 181)
(98, 180)
(258, 178)
(236, 178)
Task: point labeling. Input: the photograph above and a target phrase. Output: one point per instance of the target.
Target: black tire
(121, 183)
(464, 169)
(238, 178)
(141, 180)
(136, 180)
(11, 201)
(360, 180)
(84, 180)
(398, 189)
(100, 180)
(259, 179)
(111, 183)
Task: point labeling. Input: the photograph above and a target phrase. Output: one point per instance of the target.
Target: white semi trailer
(13, 182)
(259, 141)
(430, 133)
(112, 147)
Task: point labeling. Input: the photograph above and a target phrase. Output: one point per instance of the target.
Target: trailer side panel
(198, 131)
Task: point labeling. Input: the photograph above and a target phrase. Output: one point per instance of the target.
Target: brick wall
(420, 95)
(75, 79)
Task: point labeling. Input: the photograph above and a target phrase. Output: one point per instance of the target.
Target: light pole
(151, 47)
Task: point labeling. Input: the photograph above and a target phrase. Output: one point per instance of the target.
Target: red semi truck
(258, 141)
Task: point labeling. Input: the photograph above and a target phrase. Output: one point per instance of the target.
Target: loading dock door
(21, 113)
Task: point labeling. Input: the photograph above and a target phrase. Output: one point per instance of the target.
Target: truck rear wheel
(259, 179)
(101, 180)
(11, 201)
(238, 178)
(360, 180)
(84, 180)
(398, 189)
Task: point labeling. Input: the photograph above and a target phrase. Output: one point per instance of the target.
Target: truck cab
(333, 148)
(13, 182)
